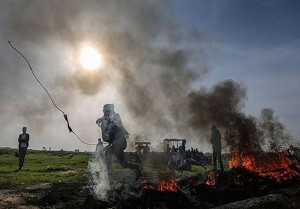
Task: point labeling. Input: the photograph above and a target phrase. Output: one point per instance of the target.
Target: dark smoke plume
(148, 60)
(220, 106)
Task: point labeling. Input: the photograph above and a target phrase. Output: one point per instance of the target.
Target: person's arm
(118, 122)
(106, 130)
(99, 121)
(19, 140)
(219, 135)
(211, 139)
(27, 141)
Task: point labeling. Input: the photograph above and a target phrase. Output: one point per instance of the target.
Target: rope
(65, 116)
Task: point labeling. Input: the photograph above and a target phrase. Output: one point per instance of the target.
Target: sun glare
(90, 58)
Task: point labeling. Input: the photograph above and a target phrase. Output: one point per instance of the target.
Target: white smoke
(99, 174)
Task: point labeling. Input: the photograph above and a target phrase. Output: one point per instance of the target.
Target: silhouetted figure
(168, 149)
(244, 141)
(216, 145)
(23, 144)
(173, 150)
(182, 155)
(139, 150)
(115, 134)
(146, 151)
(183, 143)
(167, 154)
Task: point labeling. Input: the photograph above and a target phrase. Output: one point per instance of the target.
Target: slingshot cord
(65, 116)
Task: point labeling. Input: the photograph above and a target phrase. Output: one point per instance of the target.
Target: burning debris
(249, 167)
(165, 182)
(257, 167)
(169, 185)
(249, 150)
(276, 166)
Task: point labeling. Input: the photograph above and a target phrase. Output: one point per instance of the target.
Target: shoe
(18, 169)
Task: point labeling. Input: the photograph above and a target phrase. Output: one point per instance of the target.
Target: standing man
(216, 145)
(146, 151)
(23, 144)
(244, 140)
(182, 155)
(115, 134)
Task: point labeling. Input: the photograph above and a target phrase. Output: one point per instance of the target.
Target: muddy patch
(13, 199)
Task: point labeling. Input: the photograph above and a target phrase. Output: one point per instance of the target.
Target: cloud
(150, 68)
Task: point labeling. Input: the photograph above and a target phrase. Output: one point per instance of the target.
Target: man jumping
(115, 134)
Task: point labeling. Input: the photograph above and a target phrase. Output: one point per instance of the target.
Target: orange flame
(146, 185)
(211, 178)
(273, 165)
(170, 186)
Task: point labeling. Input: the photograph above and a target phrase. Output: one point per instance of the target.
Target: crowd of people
(197, 156)
(180, 158)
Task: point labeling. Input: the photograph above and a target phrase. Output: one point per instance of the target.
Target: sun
(90, 58)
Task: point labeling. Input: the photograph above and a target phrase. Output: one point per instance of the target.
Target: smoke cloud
(274, 133)
(150, 66)
(220, 105)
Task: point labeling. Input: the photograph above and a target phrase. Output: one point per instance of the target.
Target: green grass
(52, 167)
(42, 167)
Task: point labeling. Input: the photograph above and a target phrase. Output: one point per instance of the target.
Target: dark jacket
(26, 140)
(243, 135)
(216, 139)
(113, 131)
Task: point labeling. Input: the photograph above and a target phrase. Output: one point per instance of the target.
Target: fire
(170, 186)
(146, 185)
(272, 165)
(211, 178)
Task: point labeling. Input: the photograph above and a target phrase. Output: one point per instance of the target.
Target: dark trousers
(22, 153)
(217, 155)
(119, 152)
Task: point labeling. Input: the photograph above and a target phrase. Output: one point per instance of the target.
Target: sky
(171, 68)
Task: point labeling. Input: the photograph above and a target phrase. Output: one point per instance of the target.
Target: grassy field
(42, 167)
(63, 166)
(49, 178)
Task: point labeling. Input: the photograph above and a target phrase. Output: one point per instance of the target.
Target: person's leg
(20, 158)
(220, 161)
(25, 151)
(108, 161)
(22, 152)
(123, 161)
(121, 158)
(215, 160)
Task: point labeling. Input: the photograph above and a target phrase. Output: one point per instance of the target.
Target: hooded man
(115, 134)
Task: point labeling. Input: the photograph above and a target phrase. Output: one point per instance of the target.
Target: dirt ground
(21, 198)
(74, 195)
(12, 199)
